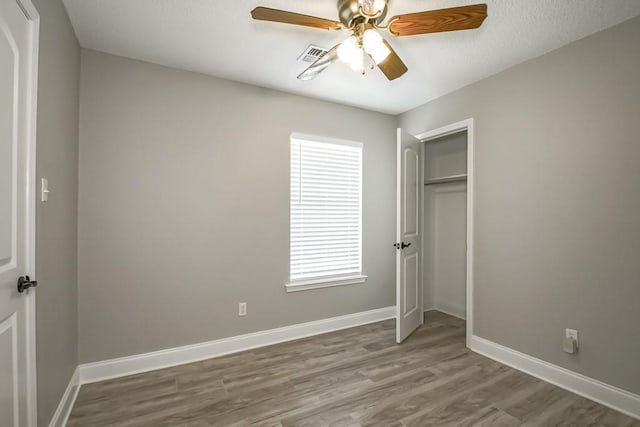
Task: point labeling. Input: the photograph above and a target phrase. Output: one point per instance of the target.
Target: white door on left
(17, 373)
(410, 178)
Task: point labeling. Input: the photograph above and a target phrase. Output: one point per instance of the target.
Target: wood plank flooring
(354, 377)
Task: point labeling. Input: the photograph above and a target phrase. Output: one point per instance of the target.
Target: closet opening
(447, 225)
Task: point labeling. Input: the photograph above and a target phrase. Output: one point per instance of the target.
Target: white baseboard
(123, 366)
(447, 310)
(428, 307)
(621, 400)
(460, 314)
(63, 410)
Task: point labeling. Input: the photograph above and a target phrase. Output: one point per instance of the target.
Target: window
(326, 213)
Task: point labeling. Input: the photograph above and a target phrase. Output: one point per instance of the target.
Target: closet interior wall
(445, 222)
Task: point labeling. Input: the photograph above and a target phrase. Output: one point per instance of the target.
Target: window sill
(325, 283)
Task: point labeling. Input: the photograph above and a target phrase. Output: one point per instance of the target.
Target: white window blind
(326, 209)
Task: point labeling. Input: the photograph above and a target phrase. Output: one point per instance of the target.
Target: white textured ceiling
(218, 37)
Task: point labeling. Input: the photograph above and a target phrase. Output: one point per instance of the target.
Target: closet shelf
(446, 179)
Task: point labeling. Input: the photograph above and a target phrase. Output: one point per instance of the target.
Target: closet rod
(446, 179)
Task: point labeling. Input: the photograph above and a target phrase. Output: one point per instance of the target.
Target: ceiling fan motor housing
(349, 13)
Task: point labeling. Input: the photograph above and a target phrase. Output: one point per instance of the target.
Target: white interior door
(17, 371)
(410, 180)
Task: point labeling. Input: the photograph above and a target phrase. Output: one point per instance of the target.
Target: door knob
(25, 283)
(401, 245)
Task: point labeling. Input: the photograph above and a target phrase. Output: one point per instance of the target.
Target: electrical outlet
(572, 333)
(242, 309)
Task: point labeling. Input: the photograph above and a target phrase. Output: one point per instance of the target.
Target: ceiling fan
(363, 19)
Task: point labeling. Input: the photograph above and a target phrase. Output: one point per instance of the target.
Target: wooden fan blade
(320, 64)
(276, 15)
(392, 66)
(436, 21)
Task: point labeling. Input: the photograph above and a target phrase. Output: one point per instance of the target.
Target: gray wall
(184, 198)
(56, 220)
(557, 224)
(445, 225)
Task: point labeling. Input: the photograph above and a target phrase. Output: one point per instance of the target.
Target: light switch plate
(569, 345)
(44, 190)
(570, 341)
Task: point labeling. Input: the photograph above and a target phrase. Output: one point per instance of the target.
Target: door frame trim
(461, 126)
(33, 17)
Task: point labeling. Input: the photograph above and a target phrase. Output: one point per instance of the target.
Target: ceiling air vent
(312, 53)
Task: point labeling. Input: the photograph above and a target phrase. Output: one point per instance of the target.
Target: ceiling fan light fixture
(351, 53)
(374, 45)
(360, 16)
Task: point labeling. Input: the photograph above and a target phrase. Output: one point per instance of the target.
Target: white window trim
(325, 282)
(328, 282)
(326, 140)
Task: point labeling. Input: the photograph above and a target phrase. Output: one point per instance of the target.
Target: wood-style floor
(354, 377)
